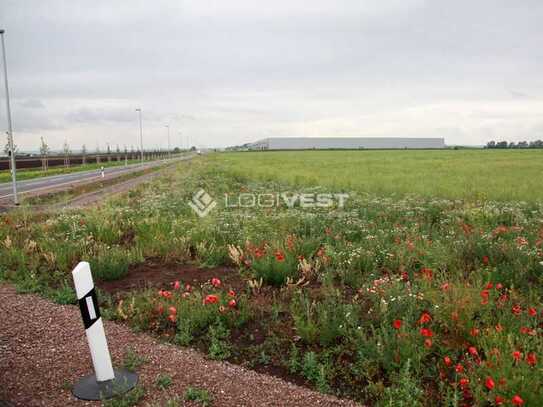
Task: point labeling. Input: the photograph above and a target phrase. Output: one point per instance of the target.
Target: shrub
(201, 396)
(163, 381)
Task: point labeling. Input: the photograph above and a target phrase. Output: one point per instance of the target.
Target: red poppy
(447, 360)
(321, 252)
(527, 331)
(484, 296)
(532, 312)
(172, 317)
(499, 328)
(215, 282)
(165, 293)
(459, 368)
(211, 299)
(427, 273)
(485, 260)
(517, 355)
(499, 400)
(473, 351)
(531, 359)
(475, 332)
(426, 332)
(428, 343)
(232, 303)
(176, 285)
(464, 382)
(517, 400)
(160, 309)
(188, 287)
(499, 286)
(517, 309)
(425, 318)
(259, 253)
(445, 286)
(397, 324)
(172, 310)
(231, 293)
(279, 256)
(489, 383)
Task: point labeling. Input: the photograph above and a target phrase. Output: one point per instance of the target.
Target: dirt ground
(160, 276)
(43, 351)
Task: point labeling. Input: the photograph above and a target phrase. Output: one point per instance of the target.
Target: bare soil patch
(160, 275)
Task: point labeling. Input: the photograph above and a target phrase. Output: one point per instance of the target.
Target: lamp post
(10, 129)
(141, 134)
(168, 127)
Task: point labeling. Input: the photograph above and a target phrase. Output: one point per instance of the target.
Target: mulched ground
(43, 351)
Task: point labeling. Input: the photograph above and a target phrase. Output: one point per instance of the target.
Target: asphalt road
(56, 182)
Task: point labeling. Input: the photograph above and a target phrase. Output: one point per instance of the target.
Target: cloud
(228, 72)
(100, 115)
(32, 104)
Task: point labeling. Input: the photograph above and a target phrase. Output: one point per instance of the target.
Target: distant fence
(78, 159)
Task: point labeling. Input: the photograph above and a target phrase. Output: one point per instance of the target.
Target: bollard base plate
(88, 388)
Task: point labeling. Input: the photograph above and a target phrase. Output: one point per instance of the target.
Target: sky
(228, 72)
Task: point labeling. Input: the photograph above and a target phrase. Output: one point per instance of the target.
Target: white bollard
(96, 337)
(106, 382)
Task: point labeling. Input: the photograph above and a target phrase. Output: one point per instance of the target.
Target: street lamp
(141, 134)
(168, 127)
(10, 129)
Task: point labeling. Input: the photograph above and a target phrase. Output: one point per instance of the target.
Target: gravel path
(43, 350)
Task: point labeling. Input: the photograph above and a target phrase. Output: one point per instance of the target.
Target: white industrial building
(345, 143)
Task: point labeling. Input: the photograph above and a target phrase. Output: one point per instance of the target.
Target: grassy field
(417, 301)
(453, 174)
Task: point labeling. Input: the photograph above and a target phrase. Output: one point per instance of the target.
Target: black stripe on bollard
(89, 308)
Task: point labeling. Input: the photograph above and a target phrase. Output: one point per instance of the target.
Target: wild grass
(389, 301)
(510, 175)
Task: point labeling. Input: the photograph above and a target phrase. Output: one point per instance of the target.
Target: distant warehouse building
(347, 143)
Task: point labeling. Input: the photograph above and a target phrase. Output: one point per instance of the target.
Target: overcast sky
(228, 71)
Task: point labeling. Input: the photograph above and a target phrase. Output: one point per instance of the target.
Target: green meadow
(511, 175)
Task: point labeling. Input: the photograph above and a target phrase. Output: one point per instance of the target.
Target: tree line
(45, 151)
(512, 144)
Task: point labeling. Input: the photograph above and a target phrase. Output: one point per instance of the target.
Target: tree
(44, 151)
(118, 151)
(83, 154)
(491, 144)
(108, 153)
(66, 151)
(7, 150)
